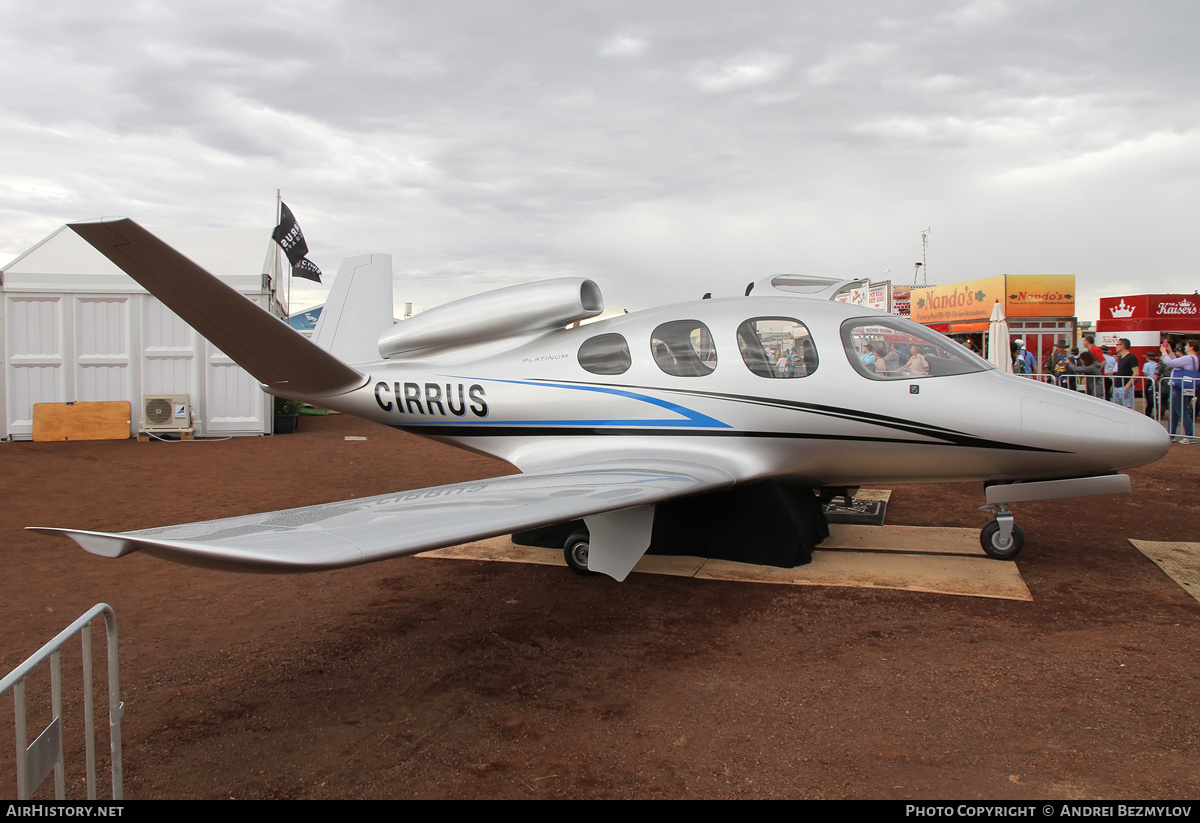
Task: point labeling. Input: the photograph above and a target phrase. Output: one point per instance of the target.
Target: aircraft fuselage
(535, 405)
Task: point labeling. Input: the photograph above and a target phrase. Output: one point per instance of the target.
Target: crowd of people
(890, 358)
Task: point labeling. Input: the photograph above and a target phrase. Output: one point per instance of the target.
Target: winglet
(100, 544)
(277, 356)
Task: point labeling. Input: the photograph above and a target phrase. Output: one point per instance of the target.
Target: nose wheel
(1002, 539)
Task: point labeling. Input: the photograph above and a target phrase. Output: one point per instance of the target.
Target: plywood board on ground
(920, 539)
(886, 566)
(100, 420)
(1181, 562)
(880, 495)
(940, 574)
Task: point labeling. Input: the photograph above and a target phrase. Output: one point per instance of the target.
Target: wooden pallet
(144, 436)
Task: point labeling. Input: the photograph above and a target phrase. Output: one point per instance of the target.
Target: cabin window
(777, 347)
(684, 348)
(605, 354)
(891, 348)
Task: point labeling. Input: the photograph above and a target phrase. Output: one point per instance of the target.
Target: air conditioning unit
(166, 412)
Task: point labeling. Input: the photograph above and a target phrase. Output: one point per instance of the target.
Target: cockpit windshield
(892, 348)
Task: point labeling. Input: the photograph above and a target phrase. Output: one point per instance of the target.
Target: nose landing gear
(1002, 539)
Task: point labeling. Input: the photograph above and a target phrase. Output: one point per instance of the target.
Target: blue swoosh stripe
(691, 417)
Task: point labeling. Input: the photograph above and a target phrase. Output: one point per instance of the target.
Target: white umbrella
(998, 347)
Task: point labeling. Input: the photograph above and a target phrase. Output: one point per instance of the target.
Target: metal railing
(1176, 404)
(35, 761)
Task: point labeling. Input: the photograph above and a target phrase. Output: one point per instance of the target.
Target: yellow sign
(1020, 295)
(957, 303)
(1040, 295)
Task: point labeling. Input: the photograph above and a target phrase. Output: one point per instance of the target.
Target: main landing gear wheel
(575, 552)
(990, 539)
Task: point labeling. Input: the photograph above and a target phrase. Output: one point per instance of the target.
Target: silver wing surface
(353, 532)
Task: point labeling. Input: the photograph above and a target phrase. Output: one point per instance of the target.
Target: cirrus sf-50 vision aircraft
(609, 420)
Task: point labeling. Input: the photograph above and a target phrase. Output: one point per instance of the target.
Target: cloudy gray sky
(664, 149)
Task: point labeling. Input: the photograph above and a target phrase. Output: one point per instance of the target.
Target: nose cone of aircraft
(1100, 436)
(1149, 440)
(1127, 439)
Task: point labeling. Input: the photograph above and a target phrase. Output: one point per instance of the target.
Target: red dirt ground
(445, 679)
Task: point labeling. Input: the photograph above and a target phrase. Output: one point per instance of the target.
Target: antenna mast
(919, 267)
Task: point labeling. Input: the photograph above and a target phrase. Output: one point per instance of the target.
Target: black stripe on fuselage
(947, 436)
(475, 430)
(775, 402)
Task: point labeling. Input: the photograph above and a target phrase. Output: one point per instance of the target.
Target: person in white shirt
(1149, 371)
(1185, 372)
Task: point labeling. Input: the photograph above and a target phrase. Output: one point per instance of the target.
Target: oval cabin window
(777, 347)
(605, 354)
(684, 348)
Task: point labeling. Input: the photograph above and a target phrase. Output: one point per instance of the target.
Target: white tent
(74, 327)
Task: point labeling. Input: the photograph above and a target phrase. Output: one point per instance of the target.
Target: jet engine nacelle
(494, 315)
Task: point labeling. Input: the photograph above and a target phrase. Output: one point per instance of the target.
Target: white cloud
(979, 13)
(495, 147)
(738, 72)
(622, 45)
(1162, 152)
(845, 60)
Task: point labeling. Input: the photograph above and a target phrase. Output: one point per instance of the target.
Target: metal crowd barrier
(1185, 398)
(1098, 385)
(36, 760)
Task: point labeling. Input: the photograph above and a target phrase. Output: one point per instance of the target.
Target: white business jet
(609, 419)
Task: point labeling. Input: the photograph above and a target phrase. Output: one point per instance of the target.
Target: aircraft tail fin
(270, 350)
(358, 309)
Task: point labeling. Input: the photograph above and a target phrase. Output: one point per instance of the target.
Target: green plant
(285, 406)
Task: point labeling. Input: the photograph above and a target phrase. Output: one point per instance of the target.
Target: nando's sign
(1020, 295)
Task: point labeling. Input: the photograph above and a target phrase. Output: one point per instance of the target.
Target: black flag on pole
(306, 269)
(291, 239)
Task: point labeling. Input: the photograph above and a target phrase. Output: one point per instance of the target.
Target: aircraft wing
(353, 532)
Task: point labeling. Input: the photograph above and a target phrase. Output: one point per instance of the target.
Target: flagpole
(278, 218)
